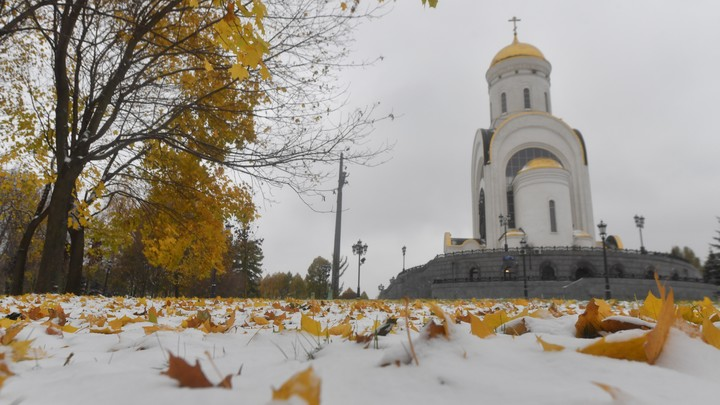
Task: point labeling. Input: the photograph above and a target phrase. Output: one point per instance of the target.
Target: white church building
(532, 213)
(529, 169)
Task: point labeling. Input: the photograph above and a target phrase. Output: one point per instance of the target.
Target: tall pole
(602, 226)
(404, 249)
(504, 219)
(338, 219)
(640, 223)
(360, 250)
(523, 242)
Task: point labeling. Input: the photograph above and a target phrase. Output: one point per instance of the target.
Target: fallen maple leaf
(310, 326)
(516, 327)
(191, 376)
(11, 332)
(495, 319)
(479, 328)
(711, 334)
(549, 347)
(589, 323)
(343, 330)
(631, 349)
(304, 384)
(656, 338)
(618, 323)
(5, 373)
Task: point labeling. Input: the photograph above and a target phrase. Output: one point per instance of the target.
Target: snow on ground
(122, 362)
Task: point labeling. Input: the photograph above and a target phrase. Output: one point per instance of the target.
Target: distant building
(532, 213)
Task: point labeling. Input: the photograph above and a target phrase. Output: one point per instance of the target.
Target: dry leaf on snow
(191, 376)
(549, 347)
(305, 384)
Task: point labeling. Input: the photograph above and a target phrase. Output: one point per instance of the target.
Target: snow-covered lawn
(96, 350)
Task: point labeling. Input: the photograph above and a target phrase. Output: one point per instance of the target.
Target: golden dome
(541, 163)
(516, 49)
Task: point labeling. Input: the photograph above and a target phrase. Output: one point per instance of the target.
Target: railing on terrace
(535, 278)
(539, 250)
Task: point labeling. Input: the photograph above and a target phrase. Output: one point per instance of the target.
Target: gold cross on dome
(514, 20)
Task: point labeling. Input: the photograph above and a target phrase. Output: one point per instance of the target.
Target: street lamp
(404, 249)
(360, 250)
(523, 243)
(602, 226)
(640, 223)
(504, 220)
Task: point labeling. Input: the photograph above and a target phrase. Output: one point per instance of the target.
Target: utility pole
(338, 219)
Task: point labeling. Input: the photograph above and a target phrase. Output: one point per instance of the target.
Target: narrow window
(482, 214)
(503, 103)
(553, 222)
(547, 103)
(526, 97)
(511, 208)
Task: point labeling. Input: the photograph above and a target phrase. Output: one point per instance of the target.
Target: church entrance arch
(584, 270)
(474, 273)
(617, 270)
(547, 271)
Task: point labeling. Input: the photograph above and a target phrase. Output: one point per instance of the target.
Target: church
(532, 215)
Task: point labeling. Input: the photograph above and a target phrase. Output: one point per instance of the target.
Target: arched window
(474, 273)
(503, 103)
(522, 157)
(547, 271)
(481, 212)
(526, 97)
(553, 221)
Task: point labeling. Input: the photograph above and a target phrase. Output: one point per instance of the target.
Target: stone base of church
(558, 272)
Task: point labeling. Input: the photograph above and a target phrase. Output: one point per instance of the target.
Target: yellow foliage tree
(186, 233)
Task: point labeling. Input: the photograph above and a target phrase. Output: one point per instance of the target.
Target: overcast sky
(639, 79)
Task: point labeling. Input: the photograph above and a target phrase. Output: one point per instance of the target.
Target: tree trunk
(51, 263)
(19, 259)
(75, 268)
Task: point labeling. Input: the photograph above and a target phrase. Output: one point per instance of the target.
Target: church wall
(620, 288)
(512, 76)
(513, 87)
(540, 130)
(486, 270)
(533, 191)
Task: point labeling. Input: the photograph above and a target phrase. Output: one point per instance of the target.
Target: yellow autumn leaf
(105, 331)
(479, 328)
(708, 310)
(20, 349)
(496, 319)
(343, 6)
(711, 334)
(631, 349)
(11, 332)
(208, 65)
(239, 72)
(304, 384)
(67, 328)
(651, 307)
(445, 319)
(656, 338)
(260, 320)
(690, 314)
(157, 328)
(549, 347)
(310, 326)
(7, 322)
(5, 372)
(344, 330)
